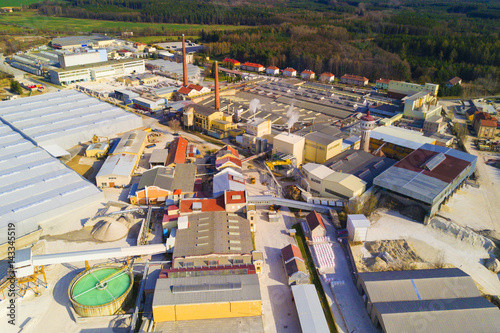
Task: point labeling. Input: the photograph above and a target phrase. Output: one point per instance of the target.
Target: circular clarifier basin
(100, 291)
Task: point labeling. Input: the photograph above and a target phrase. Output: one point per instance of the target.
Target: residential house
(289, 72)
(294, 265)
(307, 75)
(230, 62)
(272, 70)
(252, 67)
(485, 125)
(315, 225)
(354, 80)
(453, 82)
(326, 77)
(382, 84)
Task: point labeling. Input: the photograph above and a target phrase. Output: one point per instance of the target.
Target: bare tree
(175, 125)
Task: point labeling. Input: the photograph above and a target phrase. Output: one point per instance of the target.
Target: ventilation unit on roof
(336, 165)
(378, 164)
(433, 162)
(351, 156)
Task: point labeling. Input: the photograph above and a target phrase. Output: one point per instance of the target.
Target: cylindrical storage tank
(101, 290)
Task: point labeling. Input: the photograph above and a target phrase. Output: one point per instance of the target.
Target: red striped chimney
(184, 62)
(217, 99)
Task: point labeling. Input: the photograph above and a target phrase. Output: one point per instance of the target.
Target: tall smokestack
(217, 99)
(184, 62)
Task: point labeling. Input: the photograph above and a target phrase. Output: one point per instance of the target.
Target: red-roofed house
(235, 201)
(382, 84)
(228, 61)
(228, 150)
(354, 80)
(326, 77)
(315, 224)
(289, 72)
(226, 162)
(250, 66)
(193, 90)
(485, 125)
(190, 206)
(307, 75)
(272, 70)
(177, 152)
(294, 265)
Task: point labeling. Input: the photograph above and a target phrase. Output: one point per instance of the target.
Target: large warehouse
(66, 118)
(428, 300)
(428, 176)
(36, 188)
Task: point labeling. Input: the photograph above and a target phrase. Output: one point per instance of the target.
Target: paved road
(279, 312)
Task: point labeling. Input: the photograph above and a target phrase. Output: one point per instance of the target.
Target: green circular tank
(100, 291)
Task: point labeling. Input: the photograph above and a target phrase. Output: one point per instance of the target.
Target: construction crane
(97, 139)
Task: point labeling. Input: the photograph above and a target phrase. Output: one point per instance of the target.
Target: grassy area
(159, 39)
(18, 3)
(30, 20)
(306, 254)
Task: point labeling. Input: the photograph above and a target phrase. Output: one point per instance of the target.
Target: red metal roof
(307, 71)
(314, 220)
(251, 64)
(290, 251)
(383, 81)
(272, 67)
(355, 77)
(232, 197)
(168, 218)
(446, 171)
(368, 117)
(229, 159)
(177, 151)
(231, 61)
(289, 69)
(327, 74)
(233, 151)
(195, 87)
(207, 205)
(485, 119)
(184, 90)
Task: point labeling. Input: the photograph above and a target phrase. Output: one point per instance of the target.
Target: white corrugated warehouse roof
(36, 187)
(400, 136)
(119, 165)
(311, 316)
(66, 118)
(174, 67)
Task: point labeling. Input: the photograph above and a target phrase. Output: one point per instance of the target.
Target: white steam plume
(293, 117)
(254, 105)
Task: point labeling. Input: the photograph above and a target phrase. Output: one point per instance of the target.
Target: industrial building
(290, 144)
(397, 142)
(361, 164)
(485, 125)
(399, 89)
(85, 57)
(311, 316)
(258, 127)
(36, 188)
(158, 158)
(66, 118)
(428, 176)
(327, 183)
(117, 170)
(162, 183)
(213, 239)
(131, 143)
(320, 147)
(315, 225)
(206, 297)
(177, 151)
(73, 42)
(432, 300)
(228, 180)
(421, 106)
(354, 80)
(173, 69)
(96, 71)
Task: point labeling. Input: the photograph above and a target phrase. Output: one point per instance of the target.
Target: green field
(159, 39)
(17, 3)
(31, 20)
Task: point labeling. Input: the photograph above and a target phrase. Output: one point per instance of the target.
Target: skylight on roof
(434, 161)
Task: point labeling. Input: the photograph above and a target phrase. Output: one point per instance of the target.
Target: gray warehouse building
(428, 300)
(428, 176)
